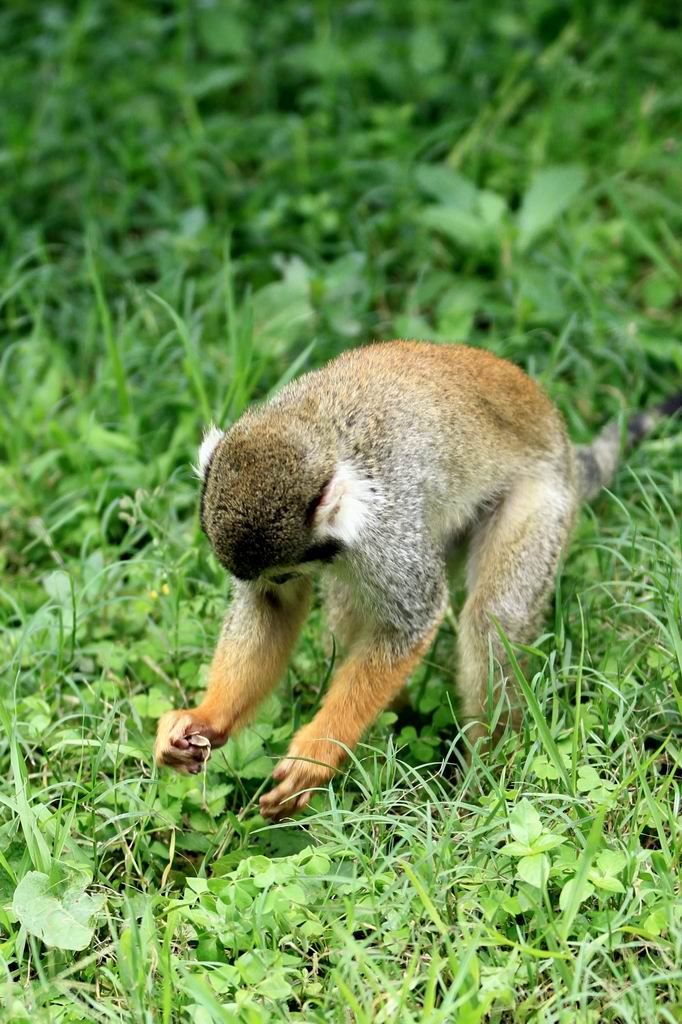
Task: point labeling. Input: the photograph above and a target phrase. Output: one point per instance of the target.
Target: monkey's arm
(374, 672)
(363, 686)
(257, 636)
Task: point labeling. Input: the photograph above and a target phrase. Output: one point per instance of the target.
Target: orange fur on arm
(363, 686)
(252, 652)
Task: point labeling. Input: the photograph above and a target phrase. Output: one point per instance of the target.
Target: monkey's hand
(309, 764)
(184, 740)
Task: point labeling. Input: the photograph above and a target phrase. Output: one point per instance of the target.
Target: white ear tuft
(212, 435)
(346, 505)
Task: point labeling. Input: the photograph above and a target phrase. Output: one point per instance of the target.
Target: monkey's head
(264, 484)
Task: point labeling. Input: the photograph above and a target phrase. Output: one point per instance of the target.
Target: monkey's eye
(283, 577)
(323, 552)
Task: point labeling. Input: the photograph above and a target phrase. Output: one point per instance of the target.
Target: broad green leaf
(611, 862)
(656, 922)
(572, 895)
(659, 292)
(57, 908)
(544, 769)
(282, 311)
(275, 986)
(608, 864)
(109, 445)
(539, 292)
(427, 50)
(455, 318)
(606, 882)
(467, 215)
(408, 325)
(446, 186)
(534, 870)
(152, 704)
(221, 31)
(246, 757)
(465, 228)
(269, 874)
(491, 207)
(588, 778)
(251, 968)
(524, 823)
(547, 841)
(215, 80)
(294, 894)
(58, 586)
(551, 191)
(517, 849)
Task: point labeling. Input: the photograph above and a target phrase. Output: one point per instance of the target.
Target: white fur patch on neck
(212, 435)
(346, 506)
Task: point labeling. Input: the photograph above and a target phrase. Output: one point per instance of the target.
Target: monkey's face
(261, 486)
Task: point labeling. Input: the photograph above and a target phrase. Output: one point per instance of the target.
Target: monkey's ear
(343, 506)
(212, 435)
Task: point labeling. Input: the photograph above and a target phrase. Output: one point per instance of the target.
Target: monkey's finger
(174, 758)
(287, 808)
(183, 733)
(292, 761)
(284, 799)
(173, 731)
(276, 813)
(190, 760)
(272, 804)
(302, 800)
(287, 788)
(186, 767)
(283, 769)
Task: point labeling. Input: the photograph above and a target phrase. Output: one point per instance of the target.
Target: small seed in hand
(197, 740)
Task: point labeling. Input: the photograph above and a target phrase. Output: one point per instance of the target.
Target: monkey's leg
(511, 570)
(364, 684)
(257, 636)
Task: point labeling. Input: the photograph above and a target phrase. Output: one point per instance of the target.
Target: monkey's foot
(184, 741)
(309, 764)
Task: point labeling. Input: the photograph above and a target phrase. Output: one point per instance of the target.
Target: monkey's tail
(597, 461)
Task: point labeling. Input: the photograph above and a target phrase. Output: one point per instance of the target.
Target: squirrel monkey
(368, 470)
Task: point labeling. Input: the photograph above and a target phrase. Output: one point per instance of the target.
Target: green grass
(197, 203)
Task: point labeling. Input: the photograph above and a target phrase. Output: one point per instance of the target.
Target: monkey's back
(444, 409)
